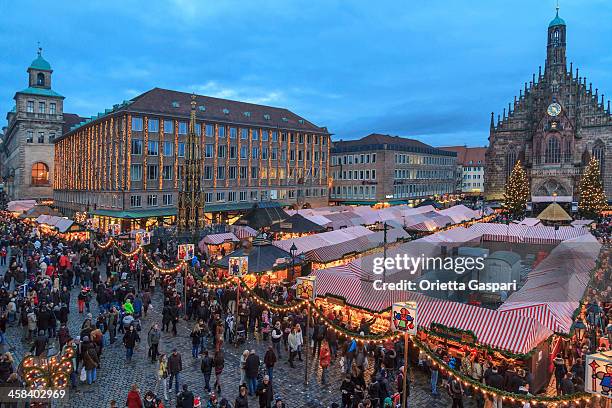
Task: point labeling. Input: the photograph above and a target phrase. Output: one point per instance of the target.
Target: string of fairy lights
(302, 304)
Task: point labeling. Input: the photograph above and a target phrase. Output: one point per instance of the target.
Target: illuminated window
(40, 174)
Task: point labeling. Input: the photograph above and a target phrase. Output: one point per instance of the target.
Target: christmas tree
(592, 195)
(517, 191)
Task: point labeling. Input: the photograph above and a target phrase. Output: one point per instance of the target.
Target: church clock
(554, 109)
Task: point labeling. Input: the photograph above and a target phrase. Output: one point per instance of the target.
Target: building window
(40, 174)
(208, 150)
(231, 196)
(233, 132)
(30, 107)
(210, 130)
(243, 172)
(135, 201)
(168, 126)
(52, 108)
(221, 151)
(274, 136)
(244, 134)
(29, 136)
(220, 172)
(243, 196)
(42, 107)
(181, 149)
(232, 173)
(232, 152)
(40, 79)
(167, 199)
(198, 129)
(599, 153)
(255, 134)
(221, 196)
(182, 129)
(51, 137)
(136, 146)
(153, 147)
(221, 131)
(152, 200)
(41, 137)
(153, 125)
(168, 148)
(208, 197)
(264, 135)
(152, 172)
(243, 152)
(274, 154)
(264, 153)
(137, 124)
(255, 153)
(207, 173)
(167, 172)
(254, 172)
(136, 172)
(553, 151)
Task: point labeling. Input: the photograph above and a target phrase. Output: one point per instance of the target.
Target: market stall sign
(450, 333)
(598, 379)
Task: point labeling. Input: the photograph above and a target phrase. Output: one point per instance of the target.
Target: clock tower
(555, 125)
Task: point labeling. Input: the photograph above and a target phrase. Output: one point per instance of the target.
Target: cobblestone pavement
(116, 375)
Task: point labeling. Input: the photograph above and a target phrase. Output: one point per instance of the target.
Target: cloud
(246, 94)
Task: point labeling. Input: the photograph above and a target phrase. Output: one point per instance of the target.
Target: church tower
(556, 123)
(556, 64)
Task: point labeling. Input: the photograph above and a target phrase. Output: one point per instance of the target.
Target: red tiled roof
(70, 119)
(466, 154)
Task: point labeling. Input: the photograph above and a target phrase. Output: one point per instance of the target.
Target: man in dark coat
(40, 344)
(251, 368)
(185, 398)
(130, 338)
(206, 367)
(175, 366)
(264, 392)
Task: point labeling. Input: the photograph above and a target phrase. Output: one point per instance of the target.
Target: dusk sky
(432, 70)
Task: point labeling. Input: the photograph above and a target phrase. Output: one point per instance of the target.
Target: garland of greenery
(494, 391)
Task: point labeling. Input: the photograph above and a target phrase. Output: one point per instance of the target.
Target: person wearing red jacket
(133, 398)
(324, 361)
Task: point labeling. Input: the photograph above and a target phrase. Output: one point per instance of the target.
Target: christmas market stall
(20, 206)
(217, 245)
(262, 216)
(267, 263)
(295, 226)
(526, 332)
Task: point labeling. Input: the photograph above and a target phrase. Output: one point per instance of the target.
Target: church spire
(555, 49)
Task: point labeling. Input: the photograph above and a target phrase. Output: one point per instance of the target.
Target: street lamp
(292, 252)
(579, 329)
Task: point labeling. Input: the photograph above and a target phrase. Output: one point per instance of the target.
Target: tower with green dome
(40, 72)
(555, 50)
(37, 119)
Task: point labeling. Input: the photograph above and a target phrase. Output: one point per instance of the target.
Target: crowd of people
(43, 273)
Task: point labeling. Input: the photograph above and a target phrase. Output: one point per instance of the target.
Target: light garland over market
(549, 401)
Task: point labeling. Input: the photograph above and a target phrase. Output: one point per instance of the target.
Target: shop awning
(217, 239)
(243, 231)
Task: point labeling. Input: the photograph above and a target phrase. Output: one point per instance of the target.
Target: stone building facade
(470, 169)
(381, 168)
(125, 164)
(554, 126)
(27, 146)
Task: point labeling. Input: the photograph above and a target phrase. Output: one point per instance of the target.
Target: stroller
(240, 337)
